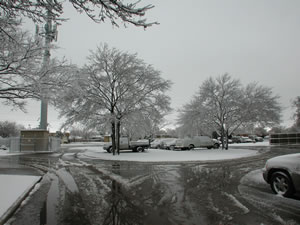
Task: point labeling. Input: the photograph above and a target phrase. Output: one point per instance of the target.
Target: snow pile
(3, 150)
(12, 190)
(157, 155)
(237, 203)
(254, 178)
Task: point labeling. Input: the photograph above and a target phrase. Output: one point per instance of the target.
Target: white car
(169, 143)
(157, 143)
(247, 140)
(196, 142)
(283, 174)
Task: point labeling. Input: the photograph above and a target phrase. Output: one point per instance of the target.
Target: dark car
(283, 174)
(236, 139)
(256, 138)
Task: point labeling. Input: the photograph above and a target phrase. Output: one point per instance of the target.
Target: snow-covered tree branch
(114, 87)
(224, 105)
(21, 57)
(98, 10)
(296, 115)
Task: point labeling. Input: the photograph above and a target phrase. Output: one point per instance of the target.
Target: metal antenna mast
(50, 35)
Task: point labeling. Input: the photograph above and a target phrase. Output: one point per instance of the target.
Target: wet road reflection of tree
(111, 198)
(62, 206)
(210, 188)
(131, 193)
(117, 193)
(122, 210)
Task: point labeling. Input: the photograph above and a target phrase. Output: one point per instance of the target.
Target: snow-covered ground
(257, 144)
(12, 189)
(158, 155)
(95, 150)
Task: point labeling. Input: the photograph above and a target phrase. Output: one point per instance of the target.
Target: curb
(12, 209)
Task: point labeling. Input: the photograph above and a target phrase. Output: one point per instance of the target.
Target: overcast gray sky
(252, 40)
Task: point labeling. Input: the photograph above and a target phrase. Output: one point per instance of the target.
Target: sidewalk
(16, 182)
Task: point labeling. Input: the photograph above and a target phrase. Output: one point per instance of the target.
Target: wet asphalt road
(82, 191)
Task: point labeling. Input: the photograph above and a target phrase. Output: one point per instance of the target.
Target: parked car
(229, 141)
(220, 142)
(259, 139)
(168, 143)
(247, 140)
(283, 174)
(125, 144)
(157, 143)
(196, 142)
(256, 138)
(236, 139)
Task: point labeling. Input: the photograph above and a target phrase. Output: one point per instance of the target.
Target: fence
(285, 139)
(54, 144)
(17, 144)
(4, 141)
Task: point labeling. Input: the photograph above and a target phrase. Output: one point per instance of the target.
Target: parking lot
(80, 190)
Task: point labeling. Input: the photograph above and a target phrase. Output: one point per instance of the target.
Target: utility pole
(50, 35)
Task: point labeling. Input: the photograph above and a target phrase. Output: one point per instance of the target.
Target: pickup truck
(196, 142)
(125, 144)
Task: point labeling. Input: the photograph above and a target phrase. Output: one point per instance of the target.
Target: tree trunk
(222, 136)
(226, 147)
(113, 137)
(118, 136)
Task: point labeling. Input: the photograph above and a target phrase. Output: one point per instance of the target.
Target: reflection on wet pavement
(62, 206)
(122, 193)
(107, 192)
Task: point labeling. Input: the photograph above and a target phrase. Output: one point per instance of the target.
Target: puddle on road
(124, 193)
(62, 206)
(48, 214)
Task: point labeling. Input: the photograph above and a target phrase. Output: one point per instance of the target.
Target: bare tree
(97, 10)
(225, 105)
(220, 103)
(142, 123)
(21, 57)
(296, 116)
(113, 87)
(193, 120)
(10, 129)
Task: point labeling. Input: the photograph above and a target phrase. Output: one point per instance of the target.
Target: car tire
(109, 150)
(191, 147)
(216, 146)
(139, 149)
(281, 184)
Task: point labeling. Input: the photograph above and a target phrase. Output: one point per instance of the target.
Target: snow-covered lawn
(257, 144)
(158, 155)
(12, 189)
